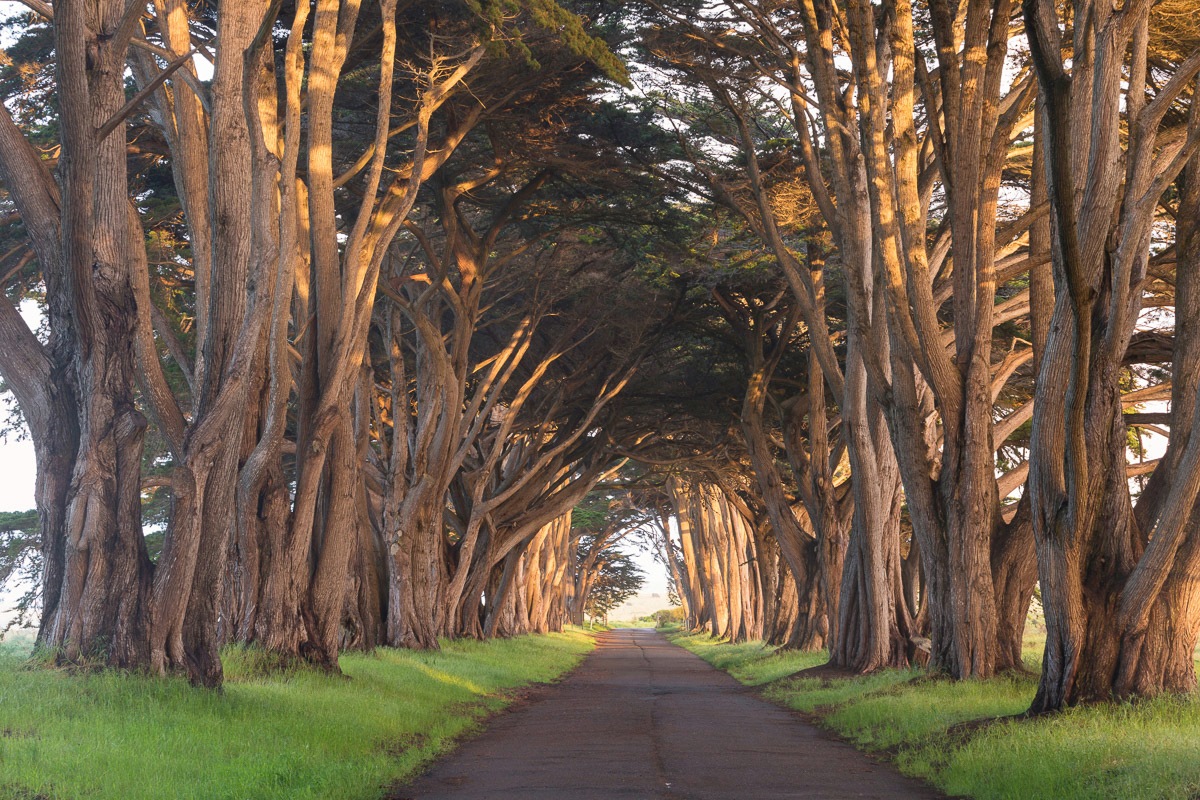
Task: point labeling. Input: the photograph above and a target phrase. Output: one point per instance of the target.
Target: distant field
(943, 731)
(19, 639)
(295, 735)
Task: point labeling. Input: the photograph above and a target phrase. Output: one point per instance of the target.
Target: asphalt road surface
(643, 718)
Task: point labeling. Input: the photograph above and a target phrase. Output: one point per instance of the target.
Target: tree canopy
(379, 324)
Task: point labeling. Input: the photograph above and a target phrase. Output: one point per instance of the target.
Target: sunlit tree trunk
(1107, 573)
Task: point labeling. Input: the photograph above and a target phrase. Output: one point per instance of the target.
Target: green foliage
(591, 514)
(19, 521)
(27, 73)
(668, 616)
(549, 15)
(154, 543)
(270, 734)
(21, 563)
(617, 580)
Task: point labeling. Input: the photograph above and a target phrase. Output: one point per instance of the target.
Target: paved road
(643, 718)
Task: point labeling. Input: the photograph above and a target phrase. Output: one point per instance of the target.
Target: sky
(17, 465)
(17, 472)
(656, 574)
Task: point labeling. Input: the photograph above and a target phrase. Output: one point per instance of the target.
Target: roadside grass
(295, 733)
(591, 626)
(957, 737)
(752, 663)
(817, 694)
(1149, 749)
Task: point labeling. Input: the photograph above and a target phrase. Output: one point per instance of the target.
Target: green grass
(752, 663)
(591, 626)
(817, 694)
(299, 734)
(1148, 750)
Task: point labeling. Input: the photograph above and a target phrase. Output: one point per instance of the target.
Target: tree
(720, 555)
(773, 76)
(76, 392)
(280, 300)
(602, 521)
(617, 579)
(1114, 576)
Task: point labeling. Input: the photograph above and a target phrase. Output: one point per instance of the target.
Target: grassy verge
(1149, 749)
(300, 734)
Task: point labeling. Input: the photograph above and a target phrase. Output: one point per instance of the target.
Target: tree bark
(1104, 578)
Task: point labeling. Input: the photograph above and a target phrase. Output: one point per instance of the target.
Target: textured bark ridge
(99, 573)
(1118, 581)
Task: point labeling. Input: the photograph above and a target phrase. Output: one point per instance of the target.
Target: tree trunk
(100, 611)
(1105, 581)
(873, 626)
(417, 582)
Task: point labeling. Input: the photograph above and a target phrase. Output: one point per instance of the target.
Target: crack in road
(655, 733)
